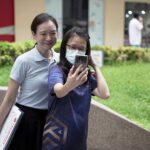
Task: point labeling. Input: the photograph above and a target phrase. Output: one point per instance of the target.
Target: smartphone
(81, 59)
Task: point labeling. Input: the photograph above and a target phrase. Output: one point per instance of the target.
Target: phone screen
(81, 59)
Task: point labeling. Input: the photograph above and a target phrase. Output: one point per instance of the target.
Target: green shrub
(9, 52)
(146, 57)
(124, 54)
(6, 60)
(57, 46)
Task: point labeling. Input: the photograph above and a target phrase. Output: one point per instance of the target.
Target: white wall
(54, 8)
(114, 23)
(25, 11)
(96, 23)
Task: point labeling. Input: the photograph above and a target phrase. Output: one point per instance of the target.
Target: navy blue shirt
(67, 120)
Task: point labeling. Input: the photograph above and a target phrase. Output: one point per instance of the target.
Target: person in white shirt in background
(135, 30)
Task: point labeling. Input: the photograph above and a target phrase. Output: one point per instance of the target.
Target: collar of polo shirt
(37, 56)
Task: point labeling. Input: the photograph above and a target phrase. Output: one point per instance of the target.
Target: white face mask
(70, 54)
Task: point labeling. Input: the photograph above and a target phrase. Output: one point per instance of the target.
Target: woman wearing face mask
(30, 73)
(70, 95)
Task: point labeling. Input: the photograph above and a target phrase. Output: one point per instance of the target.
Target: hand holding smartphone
(81, 59)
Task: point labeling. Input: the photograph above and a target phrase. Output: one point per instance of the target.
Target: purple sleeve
(55, 76)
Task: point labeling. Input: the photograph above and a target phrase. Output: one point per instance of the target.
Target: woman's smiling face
(46, 35)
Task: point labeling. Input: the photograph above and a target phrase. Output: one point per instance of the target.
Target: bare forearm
(8, 100)
(102, 86)
(61, 90)
(4, 109)
(74, 79)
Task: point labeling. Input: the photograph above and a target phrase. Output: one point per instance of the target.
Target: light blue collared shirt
(30, 70)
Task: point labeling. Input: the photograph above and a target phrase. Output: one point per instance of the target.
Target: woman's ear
(33, 35)
(57, 34)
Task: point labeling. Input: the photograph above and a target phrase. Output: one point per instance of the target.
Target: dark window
(75, 13)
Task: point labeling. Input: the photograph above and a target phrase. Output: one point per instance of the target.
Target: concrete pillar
(25, 11)
(114, 23)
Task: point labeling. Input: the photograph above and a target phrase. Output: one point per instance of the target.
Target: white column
(96, 23)
(54, 8)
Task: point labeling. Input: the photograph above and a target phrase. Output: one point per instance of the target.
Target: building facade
(103, 19)
(7, 20)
